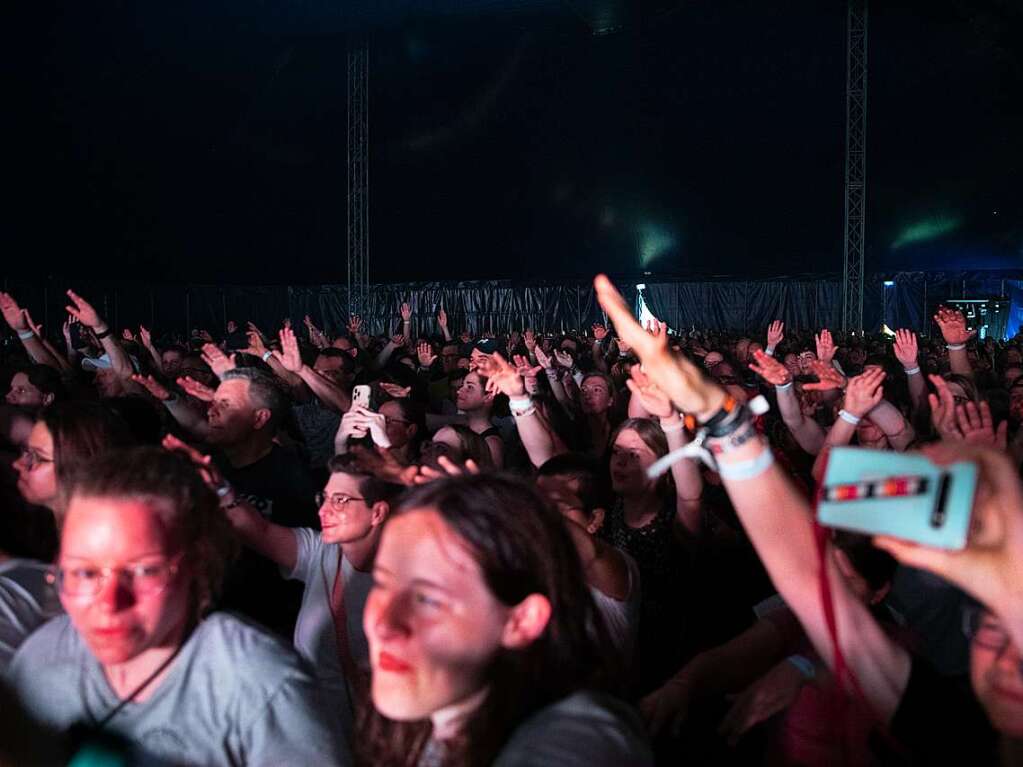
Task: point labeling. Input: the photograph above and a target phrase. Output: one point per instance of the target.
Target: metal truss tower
(855, 165)
(358, 176)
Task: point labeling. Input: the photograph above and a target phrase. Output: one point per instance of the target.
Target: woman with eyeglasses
(486, 645)
(334, 563)
(138, 658)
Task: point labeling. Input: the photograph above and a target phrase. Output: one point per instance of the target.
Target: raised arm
(906, 352)
(952, 324)
(146, 339)
(807, 432)
(686, 473)
(84, 312)
(188, 416)
(17, 320)
(782, 532)
(289, 358)
(597, 349)
(534, 431)
(275, 542)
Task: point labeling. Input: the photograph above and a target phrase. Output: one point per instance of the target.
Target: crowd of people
(590, 548)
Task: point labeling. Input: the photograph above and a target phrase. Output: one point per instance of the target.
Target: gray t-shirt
(586, 729)
(27, 601)
(315, 636)
(234, 695)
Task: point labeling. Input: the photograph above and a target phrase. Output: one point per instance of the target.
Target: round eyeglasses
(86, 581)
(337, 501)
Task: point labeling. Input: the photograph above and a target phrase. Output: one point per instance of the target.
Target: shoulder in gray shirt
(234, 695)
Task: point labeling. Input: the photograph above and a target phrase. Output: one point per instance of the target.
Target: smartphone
(879, 492)
(360, 396)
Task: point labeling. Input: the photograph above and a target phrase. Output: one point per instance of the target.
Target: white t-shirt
(622, 617)
(235, 694)
(315, 636)
(27, 601)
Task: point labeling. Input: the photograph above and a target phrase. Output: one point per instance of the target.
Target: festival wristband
(24, 335)
(747, 469)
(520, 403)
(783, 387)
(955, 347)
(848, 417)
(678, 425)
(913, 371)
(267, 355)
(101, 334)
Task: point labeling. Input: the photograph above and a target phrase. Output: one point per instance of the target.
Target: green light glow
(654, 241)
(928, 229)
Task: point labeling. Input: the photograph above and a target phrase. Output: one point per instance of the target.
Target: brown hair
(654, 438)
(81, 431)
(195, 519)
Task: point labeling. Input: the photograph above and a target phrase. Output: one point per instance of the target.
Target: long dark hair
(522, 547)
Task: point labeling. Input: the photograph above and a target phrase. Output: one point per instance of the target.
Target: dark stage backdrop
(487, 307)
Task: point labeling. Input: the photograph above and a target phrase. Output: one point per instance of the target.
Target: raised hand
(382, 464)
(66, 329)
(864, 392)
(151, 385)
(83, 311)
(825, 346)
(442, 317)
(316, 336)
(943, 409)
(524, 368)
(194, 388)
(127, 335)
(219, 362)
(905, 348)
(448, 468)
(396, 391)
(977, 426)
(256, 346)
(145, 337)
(35, 327)
(828, 377)
(398, 339)
(286, 322)
(204, 335)
(952, 324)
(650, 396)
(775, 333)
(529, 339)
(676, 376)
(543, 358)
(13, 315)
(501, 377)
(770, 369)
(354, 325)
(599, 332)
(203, 463)
(425, 354)
(406, 313)
(623, 346)
(564, 358)
(289, 356)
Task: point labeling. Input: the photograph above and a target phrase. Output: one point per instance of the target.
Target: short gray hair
(263, 390)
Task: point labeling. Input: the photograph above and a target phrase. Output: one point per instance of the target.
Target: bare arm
(275, 542)
(952, 324)
(87, 315)
(896, 428)
(807, 433)
(906, 352)
(18, 320)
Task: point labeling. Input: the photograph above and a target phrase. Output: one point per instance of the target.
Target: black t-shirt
(939, 721)
(281, 488)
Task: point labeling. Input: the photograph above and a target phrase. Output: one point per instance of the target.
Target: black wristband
(104, 334)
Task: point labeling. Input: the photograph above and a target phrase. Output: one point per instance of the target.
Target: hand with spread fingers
(501, 377)
(425, 354)
(13, 314)
(943, 409)
(770, 369)
(218, 361)
(905, 348)
(864, 392)
(825, 346)
(289, 356)
(827, 377)
(977, 426)
(952, 324)
(194, 388)
(151, 385)
(83, 311)
(649, 394)
(775, 333)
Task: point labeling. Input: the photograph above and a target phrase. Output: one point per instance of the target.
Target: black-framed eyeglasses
(337, 500)
(984, 630)
(31, 458)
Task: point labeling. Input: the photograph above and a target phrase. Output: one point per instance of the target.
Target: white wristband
(520, 403)
(24, 335)
(769, 351)
(955, 347)
(783, 387)
(913, 371)
(848, 417)
(679, 425)
(747, 469)
(267, 355)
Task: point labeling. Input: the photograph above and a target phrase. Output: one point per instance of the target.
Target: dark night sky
(187, 141)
